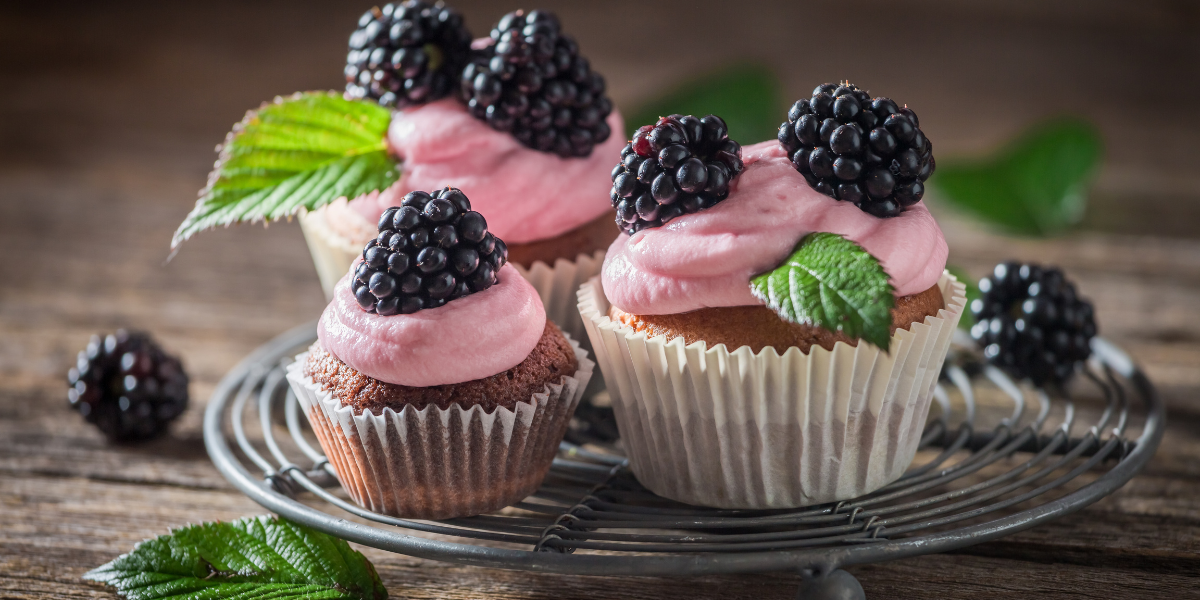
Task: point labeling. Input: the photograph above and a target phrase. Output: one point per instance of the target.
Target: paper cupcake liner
(332, 253)
(712, 427)
(557, 286)
(439, 464)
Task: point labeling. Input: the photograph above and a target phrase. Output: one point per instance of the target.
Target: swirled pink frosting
(525, 195)
(473, 337)
(706, 259)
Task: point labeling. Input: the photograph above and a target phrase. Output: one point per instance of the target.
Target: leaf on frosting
(299, 152)
(256, 557)
(831, 282)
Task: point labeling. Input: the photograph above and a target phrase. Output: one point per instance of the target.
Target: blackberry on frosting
(531, 81)
(680, 165)
(864, 150)
(431, 249)
(407, 53)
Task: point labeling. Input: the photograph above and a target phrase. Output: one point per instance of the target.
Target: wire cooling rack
(996, 457)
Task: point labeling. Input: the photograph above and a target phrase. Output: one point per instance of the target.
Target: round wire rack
(996, 457)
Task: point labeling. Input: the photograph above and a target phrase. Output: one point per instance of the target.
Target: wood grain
(109, 116)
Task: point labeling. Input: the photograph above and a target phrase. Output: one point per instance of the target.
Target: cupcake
(770, 329)
(529, 137)
(437, 386)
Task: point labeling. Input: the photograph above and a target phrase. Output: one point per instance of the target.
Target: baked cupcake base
(429, 454)
(712, 426)
(759, 326)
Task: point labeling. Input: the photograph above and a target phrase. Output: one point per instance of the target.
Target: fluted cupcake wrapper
(332, 253)
(557, 285)
(439, 464)
(712, 427)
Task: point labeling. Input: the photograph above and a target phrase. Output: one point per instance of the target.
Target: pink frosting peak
(706, 259)
(473, 337)
(525, 195)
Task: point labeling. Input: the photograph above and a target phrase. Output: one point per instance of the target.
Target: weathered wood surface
(109, 115)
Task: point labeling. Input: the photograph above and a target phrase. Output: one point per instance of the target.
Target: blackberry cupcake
(437, 387)
(528, 133)
(726, 392)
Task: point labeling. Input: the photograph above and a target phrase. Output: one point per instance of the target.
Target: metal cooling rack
(986, 469)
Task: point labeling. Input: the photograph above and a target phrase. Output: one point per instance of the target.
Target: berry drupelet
(858, 149)
(406, 54)
(531, 81)
(1031, 322)
(127, 386)
(679, 165)
(431, 249)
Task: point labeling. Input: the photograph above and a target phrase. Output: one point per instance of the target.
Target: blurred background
(109, 113)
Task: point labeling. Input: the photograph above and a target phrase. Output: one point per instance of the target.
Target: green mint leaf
(746, 96)
(255, 557)
(1035, 186)
(831, 282)
(299, 152)
(967, 319)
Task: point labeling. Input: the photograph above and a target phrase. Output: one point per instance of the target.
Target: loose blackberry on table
(430, 250)
(407, 53)
(864, 150)
(531, 81)
(126, 385)
(680, 165)
(1031, 322)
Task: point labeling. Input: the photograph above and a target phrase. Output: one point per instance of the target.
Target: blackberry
(406, 54)
(127, 386)
(1031, 322)
(431, 249)
(679, 165)
(851, 147)
(531, 81)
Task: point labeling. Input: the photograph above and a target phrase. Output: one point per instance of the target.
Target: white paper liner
(557, 286)
(440, 464)
(332, 253)
(711, 427)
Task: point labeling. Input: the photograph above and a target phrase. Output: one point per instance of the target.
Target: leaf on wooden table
(1035, 186)
(745, 96)
(256, 557)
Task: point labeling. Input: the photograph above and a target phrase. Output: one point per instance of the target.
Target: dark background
(109, 113)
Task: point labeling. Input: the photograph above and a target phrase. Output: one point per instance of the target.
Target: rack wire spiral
(984, 470)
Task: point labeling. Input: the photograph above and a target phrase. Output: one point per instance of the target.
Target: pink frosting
(473, 337)
(706, 259)
(525, 195)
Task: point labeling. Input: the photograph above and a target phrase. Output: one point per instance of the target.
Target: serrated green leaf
(300, 152)
(252, 558)
(1035, 186)
(831, 282)
(967, 319)
(746, 96)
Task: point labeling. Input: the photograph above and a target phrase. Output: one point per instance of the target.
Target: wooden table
(110, 114)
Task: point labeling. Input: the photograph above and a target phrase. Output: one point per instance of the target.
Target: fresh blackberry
(431, 249)
(1031, 322)
(858, 149)
(407, 53)
(679, 165)
(531, 81)
(127, 386)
